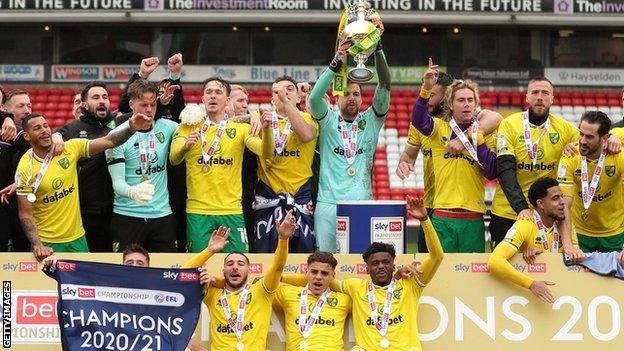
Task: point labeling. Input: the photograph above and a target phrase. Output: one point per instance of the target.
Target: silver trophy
(364, 37)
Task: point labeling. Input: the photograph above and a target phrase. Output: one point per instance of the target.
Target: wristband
(174, 76)
(336, 63)
(424, 93)
(379, 46)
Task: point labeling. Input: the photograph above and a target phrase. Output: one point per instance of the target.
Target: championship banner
(558, 7)
(464, 307)
(104, 306)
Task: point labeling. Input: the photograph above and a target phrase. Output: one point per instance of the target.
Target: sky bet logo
(20, 267)
(392, 226)
(181, 276)
(341, 225)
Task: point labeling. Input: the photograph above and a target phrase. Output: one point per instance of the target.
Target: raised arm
(120, 134)
(218, 240)
(436, 254)
(303, 129)
(381, 100)
(285, 229)
(420, 113)
(318, 105)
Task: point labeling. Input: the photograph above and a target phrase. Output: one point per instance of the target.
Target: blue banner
(113, 307)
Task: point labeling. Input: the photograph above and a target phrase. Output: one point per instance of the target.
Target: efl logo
(477, 267)
(303, 268)
(28, 266)
(362, 269)
(189, 277)
(255, 268)
(537, 268)
(36, 310)
(341, 225)
(66, 266)
(396, 226)
(88, 293)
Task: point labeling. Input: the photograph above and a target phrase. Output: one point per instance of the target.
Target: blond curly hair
(449, 95)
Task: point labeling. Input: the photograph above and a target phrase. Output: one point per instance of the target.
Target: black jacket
(171, 111)
(94, 181)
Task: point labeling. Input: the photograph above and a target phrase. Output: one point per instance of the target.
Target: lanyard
(349, 137)
(237, 326)
(381, 325)
(542, 231)
(306, 323)
(207, 155)
(470, 147)
(532, 146)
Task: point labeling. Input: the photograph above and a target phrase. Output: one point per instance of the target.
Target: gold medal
(351, 171)
(144, 178)
(240, 346)
(205, 168)
(384, 343)
(303, 345)
(31, 198)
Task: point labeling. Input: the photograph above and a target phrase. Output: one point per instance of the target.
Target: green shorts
(460, 235)
(78, 245)
(199, 228)
(601, 244)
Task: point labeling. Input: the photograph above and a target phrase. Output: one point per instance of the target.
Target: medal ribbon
(588, 191)
(470, 147)
(42, 170)
(306, 327)
(237, 326)
(381, 325)
(532, 146)
(349, 138)
(145, 157)
(542, 231)
(279, 139)
(207, 155)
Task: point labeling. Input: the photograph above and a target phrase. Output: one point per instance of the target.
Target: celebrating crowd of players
(159, 170)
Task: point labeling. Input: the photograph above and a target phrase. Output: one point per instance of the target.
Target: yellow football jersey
(461, 172)
(327, 331)
(525, 232)
(416, 139)
(606, 213)
(57, 208)
(287, 172)
(619, 132)
(214, 188)
(522, 234)
(550, 148)
(255, 325)
(402, 326)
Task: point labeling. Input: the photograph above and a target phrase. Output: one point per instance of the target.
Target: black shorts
(154, 234)
(499, 227)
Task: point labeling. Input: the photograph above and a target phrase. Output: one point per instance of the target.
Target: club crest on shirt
(554, 137)
(64, 163)
(332, 301)
(231, 132)
(610, 170)
(361, 124)
(161, 137)
(57, 183)
(397, 293)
